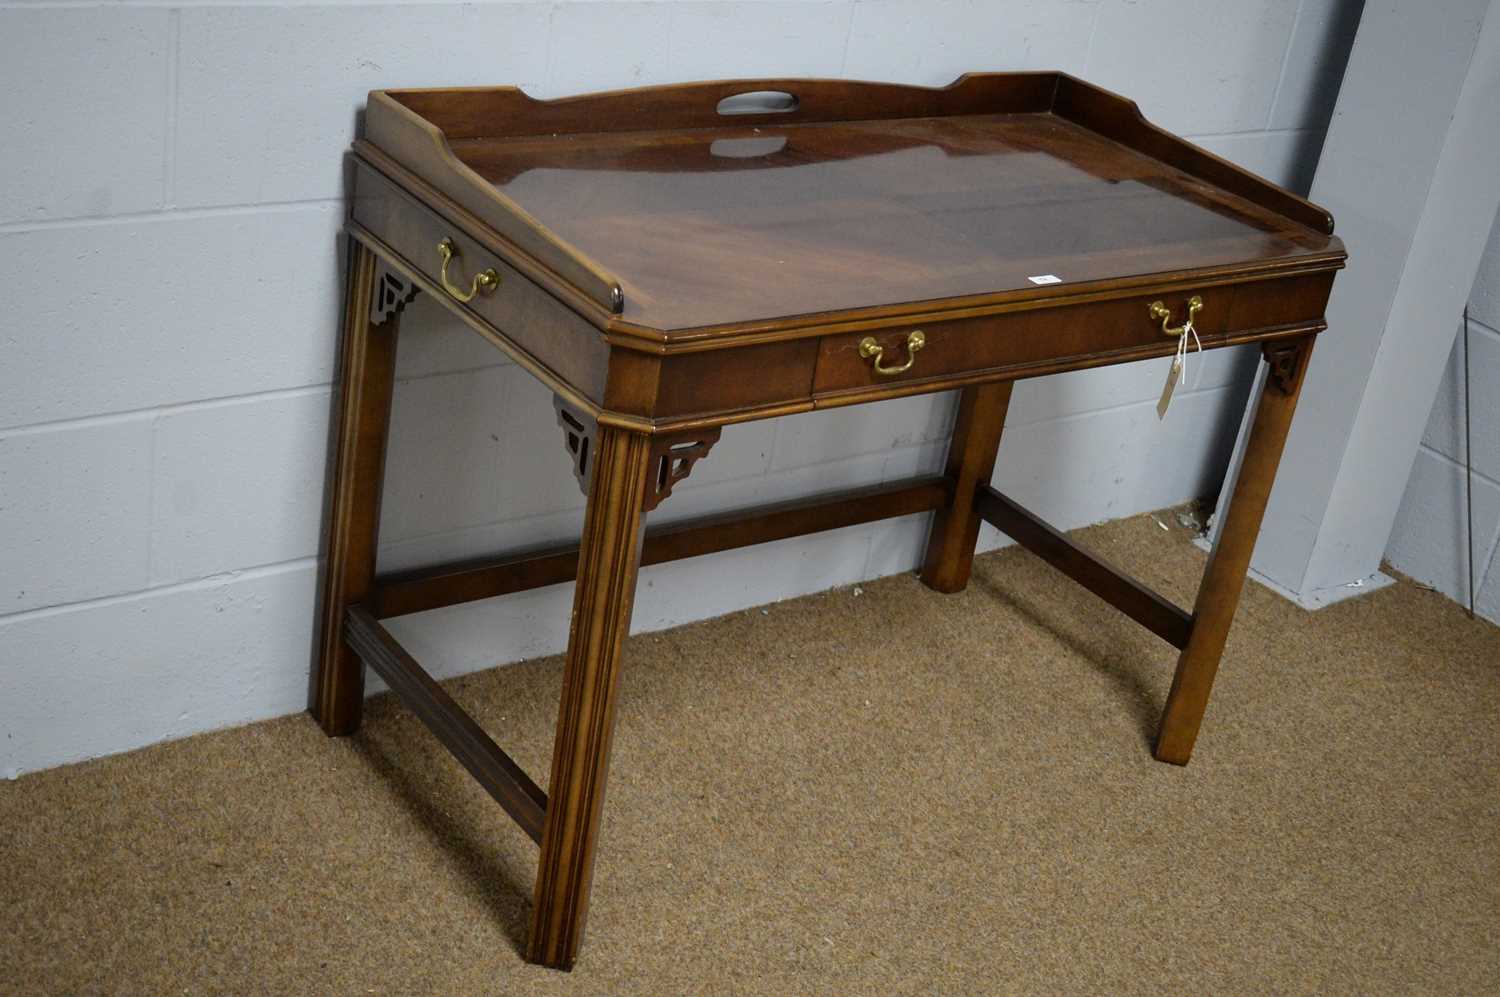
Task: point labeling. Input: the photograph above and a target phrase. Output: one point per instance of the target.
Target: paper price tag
(1045, 278)
(1176, 371)
(1174, 374)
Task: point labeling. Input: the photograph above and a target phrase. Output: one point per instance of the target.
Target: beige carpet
(872, 791)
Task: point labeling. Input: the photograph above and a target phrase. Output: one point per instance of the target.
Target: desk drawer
(1015, 339)
(518, 309)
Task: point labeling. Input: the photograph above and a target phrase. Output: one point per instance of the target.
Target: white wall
(1431, 539)
(169, 207)
(1410, 173)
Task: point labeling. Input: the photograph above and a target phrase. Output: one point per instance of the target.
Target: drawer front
(1268, 304)
(518, 309)
(1122, 329)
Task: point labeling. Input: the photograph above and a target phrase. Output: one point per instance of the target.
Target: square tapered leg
(366, 380)
(608, 560)
(1224, 578)
(971, 462)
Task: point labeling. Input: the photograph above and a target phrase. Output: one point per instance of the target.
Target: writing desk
(675, 260)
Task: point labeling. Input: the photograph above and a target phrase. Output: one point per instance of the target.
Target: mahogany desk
(676, 260)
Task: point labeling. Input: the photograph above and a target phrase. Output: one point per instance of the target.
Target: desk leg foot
(971, 462)
(366, 382)
(608, 560)
(1223, 579)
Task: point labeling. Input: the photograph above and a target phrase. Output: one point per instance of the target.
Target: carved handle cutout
(759, 102)
(747, 148)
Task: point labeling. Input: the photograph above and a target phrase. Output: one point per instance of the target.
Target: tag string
(1179, 359)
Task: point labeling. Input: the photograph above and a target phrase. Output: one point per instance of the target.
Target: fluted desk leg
(607, 565)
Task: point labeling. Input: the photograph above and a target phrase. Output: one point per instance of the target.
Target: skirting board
(1317, 598)
(1314, 598)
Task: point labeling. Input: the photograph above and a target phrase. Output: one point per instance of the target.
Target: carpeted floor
(878, 790)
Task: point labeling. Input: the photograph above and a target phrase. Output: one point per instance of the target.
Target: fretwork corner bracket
(578, 435)
(672, 454)
(672, 460)
(392, 292)
(1283, 358)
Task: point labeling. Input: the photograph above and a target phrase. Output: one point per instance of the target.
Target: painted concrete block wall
(170, 199)
(1431, 540)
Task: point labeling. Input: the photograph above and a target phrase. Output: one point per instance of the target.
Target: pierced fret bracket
(578, 434)
(1283, 357)
(392, 292)
(672, 460)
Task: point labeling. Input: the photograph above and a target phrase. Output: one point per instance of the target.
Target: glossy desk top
(709, 226)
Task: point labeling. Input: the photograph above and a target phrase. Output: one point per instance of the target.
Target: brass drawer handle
(485, 281)
(871, 350)
(1162, 312)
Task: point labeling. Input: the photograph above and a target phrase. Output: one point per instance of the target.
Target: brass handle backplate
(871, 350)
(1162, 313)
(484, 282)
